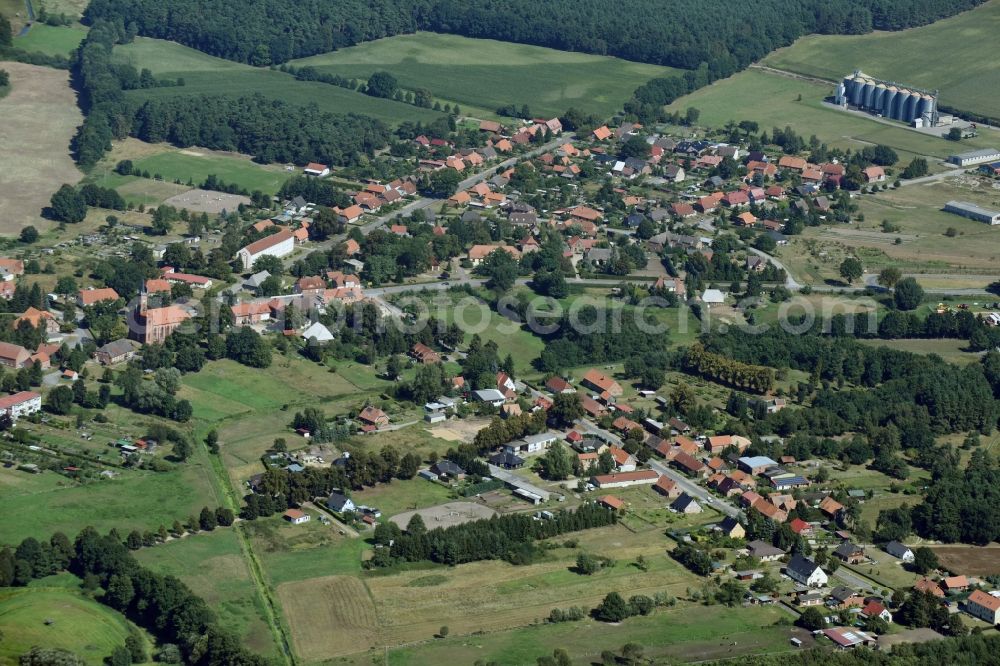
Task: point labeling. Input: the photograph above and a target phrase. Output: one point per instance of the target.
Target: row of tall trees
(509, 537)
(719, 368)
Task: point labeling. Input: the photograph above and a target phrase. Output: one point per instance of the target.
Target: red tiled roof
(8, 401)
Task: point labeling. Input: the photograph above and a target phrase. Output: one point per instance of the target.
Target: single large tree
(382, 84)
(851, 269)
(889, 277)
(557, 463)
(908, 294)
(68, 205)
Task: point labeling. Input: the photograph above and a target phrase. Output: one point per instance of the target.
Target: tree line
(510, 537)
(724, 370)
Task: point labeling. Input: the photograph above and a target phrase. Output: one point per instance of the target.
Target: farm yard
(484, 74)
(40, 116)
(966, 79)
(204, 74)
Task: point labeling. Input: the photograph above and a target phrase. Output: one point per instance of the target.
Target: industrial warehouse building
(974, 157)
(973, 212)
(888, 99)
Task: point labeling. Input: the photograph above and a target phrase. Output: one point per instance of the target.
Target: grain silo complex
(888, 99)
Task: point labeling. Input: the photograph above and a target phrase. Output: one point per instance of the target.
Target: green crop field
(58, 618)
(206, 75)
(773, 100)
(195, 166)
(947, 55)
(213, 566)
(488, 73)
(53, 40)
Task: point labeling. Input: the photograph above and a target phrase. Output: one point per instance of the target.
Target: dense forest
(681, 33)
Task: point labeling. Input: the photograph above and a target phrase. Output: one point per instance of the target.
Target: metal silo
(912, 106)
(930, 110)
(869, 94)
(848, 84)
(898, 103)
(888, 101)
(878, 98)
(857, 98)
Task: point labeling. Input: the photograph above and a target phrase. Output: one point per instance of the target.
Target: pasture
(40, 116)
(51, 40)
(38, 505)
(15, 11)
(213, 566)
(475, 317)
(206, 75)
(398, 496)
(685, 633)
(193, 165)
(950, 350)
(773, 100)
(946, 55)
(290, 553)
(250, 415)
(486, 73)
(58, 618)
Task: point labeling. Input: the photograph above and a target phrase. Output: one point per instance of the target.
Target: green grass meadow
(51, 40)
(195, 166)
(951, 55)
(206, 75)
(39, 504)
(487, 73)
(58, 618)
(690, 633)
(213, 566)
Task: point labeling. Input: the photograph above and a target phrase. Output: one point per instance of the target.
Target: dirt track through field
(37, 121)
